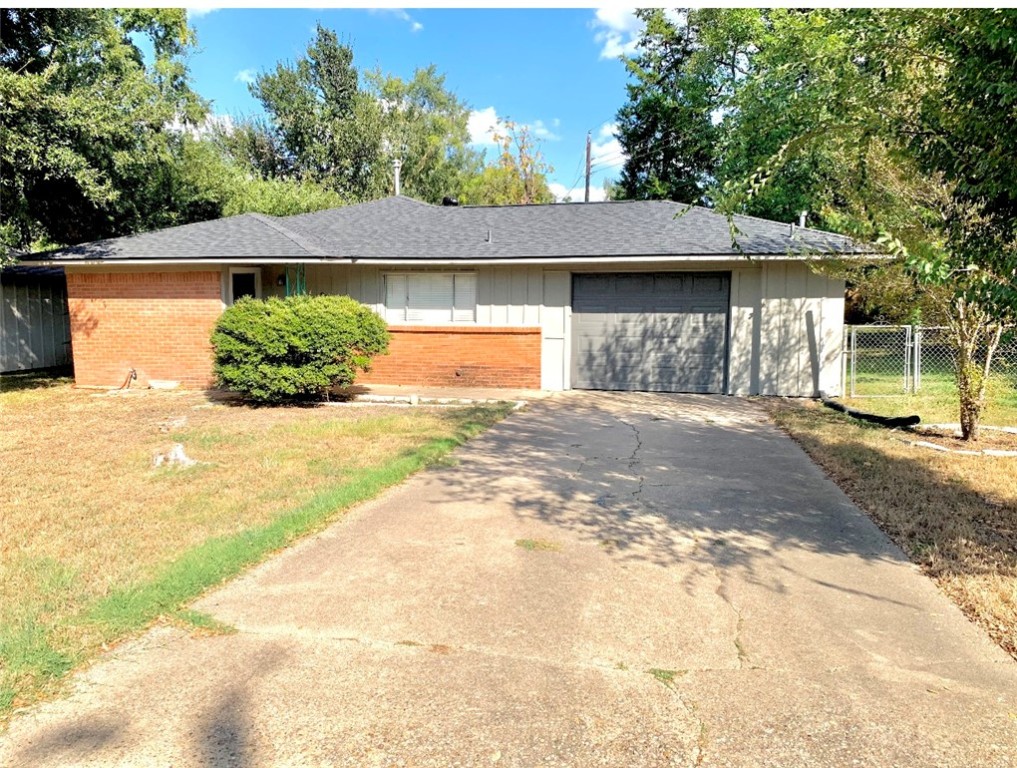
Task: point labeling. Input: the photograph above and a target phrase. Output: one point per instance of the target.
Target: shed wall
(35, 329)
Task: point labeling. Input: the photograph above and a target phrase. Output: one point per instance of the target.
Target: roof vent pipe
(801, 219)
(397, 165)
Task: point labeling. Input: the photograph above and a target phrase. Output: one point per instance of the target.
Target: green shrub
(296, 348)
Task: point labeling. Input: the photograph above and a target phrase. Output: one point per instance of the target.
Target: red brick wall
(158, 323)
(467, 356)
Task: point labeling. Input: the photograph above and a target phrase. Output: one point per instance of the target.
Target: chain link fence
(893, 360)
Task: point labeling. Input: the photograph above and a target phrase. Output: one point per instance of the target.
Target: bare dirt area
(989, 438)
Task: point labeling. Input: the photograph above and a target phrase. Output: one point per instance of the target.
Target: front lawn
(96, 543)
(954, 515)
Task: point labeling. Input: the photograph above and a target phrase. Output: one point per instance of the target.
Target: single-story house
(640, 295)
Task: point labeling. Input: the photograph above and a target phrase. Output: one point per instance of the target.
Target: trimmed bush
(297, 348)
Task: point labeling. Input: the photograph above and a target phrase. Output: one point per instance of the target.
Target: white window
(431, 297)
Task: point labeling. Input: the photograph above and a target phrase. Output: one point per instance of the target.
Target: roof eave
(450, 261)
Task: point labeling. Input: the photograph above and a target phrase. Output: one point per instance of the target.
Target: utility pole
(587, 199)
(397, 165)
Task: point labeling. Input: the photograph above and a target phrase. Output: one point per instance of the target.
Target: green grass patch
(665, 677)
(936, 400)
(48, 635)
(538, 545)
(202, 621)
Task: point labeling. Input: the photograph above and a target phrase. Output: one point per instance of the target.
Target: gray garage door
(650, 331)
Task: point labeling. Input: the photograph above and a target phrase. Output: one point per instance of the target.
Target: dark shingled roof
(400, 228)
(249, 235)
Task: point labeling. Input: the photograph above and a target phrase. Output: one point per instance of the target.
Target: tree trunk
(972, 331)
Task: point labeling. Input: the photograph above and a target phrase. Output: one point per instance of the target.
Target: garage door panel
(661, 332)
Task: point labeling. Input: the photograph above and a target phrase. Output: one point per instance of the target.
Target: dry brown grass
(86, 513)
(955, 516)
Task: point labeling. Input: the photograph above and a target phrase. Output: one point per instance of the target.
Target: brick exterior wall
(467, 356)
(158, 323)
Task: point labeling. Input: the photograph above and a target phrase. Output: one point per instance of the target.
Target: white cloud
(198, 12)
(576, 194)
(212, 123)
(541, 131)
(605, 150)
(245, 76)
(482, 124)
(401, 14)
(617, 30)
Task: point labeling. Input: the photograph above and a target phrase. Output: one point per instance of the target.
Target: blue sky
(555, 70)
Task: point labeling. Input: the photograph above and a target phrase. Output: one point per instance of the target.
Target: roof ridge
(296, 238)
(407, 198)
(793, 224)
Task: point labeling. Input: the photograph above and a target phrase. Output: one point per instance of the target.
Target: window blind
(431, 297)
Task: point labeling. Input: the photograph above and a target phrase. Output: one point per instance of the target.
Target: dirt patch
(949, 438)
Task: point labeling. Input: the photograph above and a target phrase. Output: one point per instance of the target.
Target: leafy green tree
(683, 75)
(86, 151)
(519, 177)
(315, 107)
(252, 143)
(208, 183)
(424, 126)
(914, 109)
(330, 127)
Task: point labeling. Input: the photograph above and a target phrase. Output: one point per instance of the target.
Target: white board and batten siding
(35, 327)
(785, 328)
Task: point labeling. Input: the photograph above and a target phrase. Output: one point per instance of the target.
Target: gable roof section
(247, 236)
(400, 229)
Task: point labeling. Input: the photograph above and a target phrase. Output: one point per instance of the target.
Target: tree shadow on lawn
(43, 378)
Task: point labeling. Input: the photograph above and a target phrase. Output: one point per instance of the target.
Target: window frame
(387, 310)
(256, 271)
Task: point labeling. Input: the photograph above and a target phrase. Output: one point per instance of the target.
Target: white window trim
(408, 273)
(256, 271)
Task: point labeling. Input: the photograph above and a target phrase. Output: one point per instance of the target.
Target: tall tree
(911, 107)
(86, 151)
(424, 126)
(344, 130)
(683, 76)
(315, 106)
(517, 177)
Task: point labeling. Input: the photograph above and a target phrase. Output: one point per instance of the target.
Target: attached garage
(650, 331)
(646, 295)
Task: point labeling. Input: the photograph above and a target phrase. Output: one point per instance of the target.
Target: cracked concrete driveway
(603, 579)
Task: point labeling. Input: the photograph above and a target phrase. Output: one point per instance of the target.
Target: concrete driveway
(603, 579)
